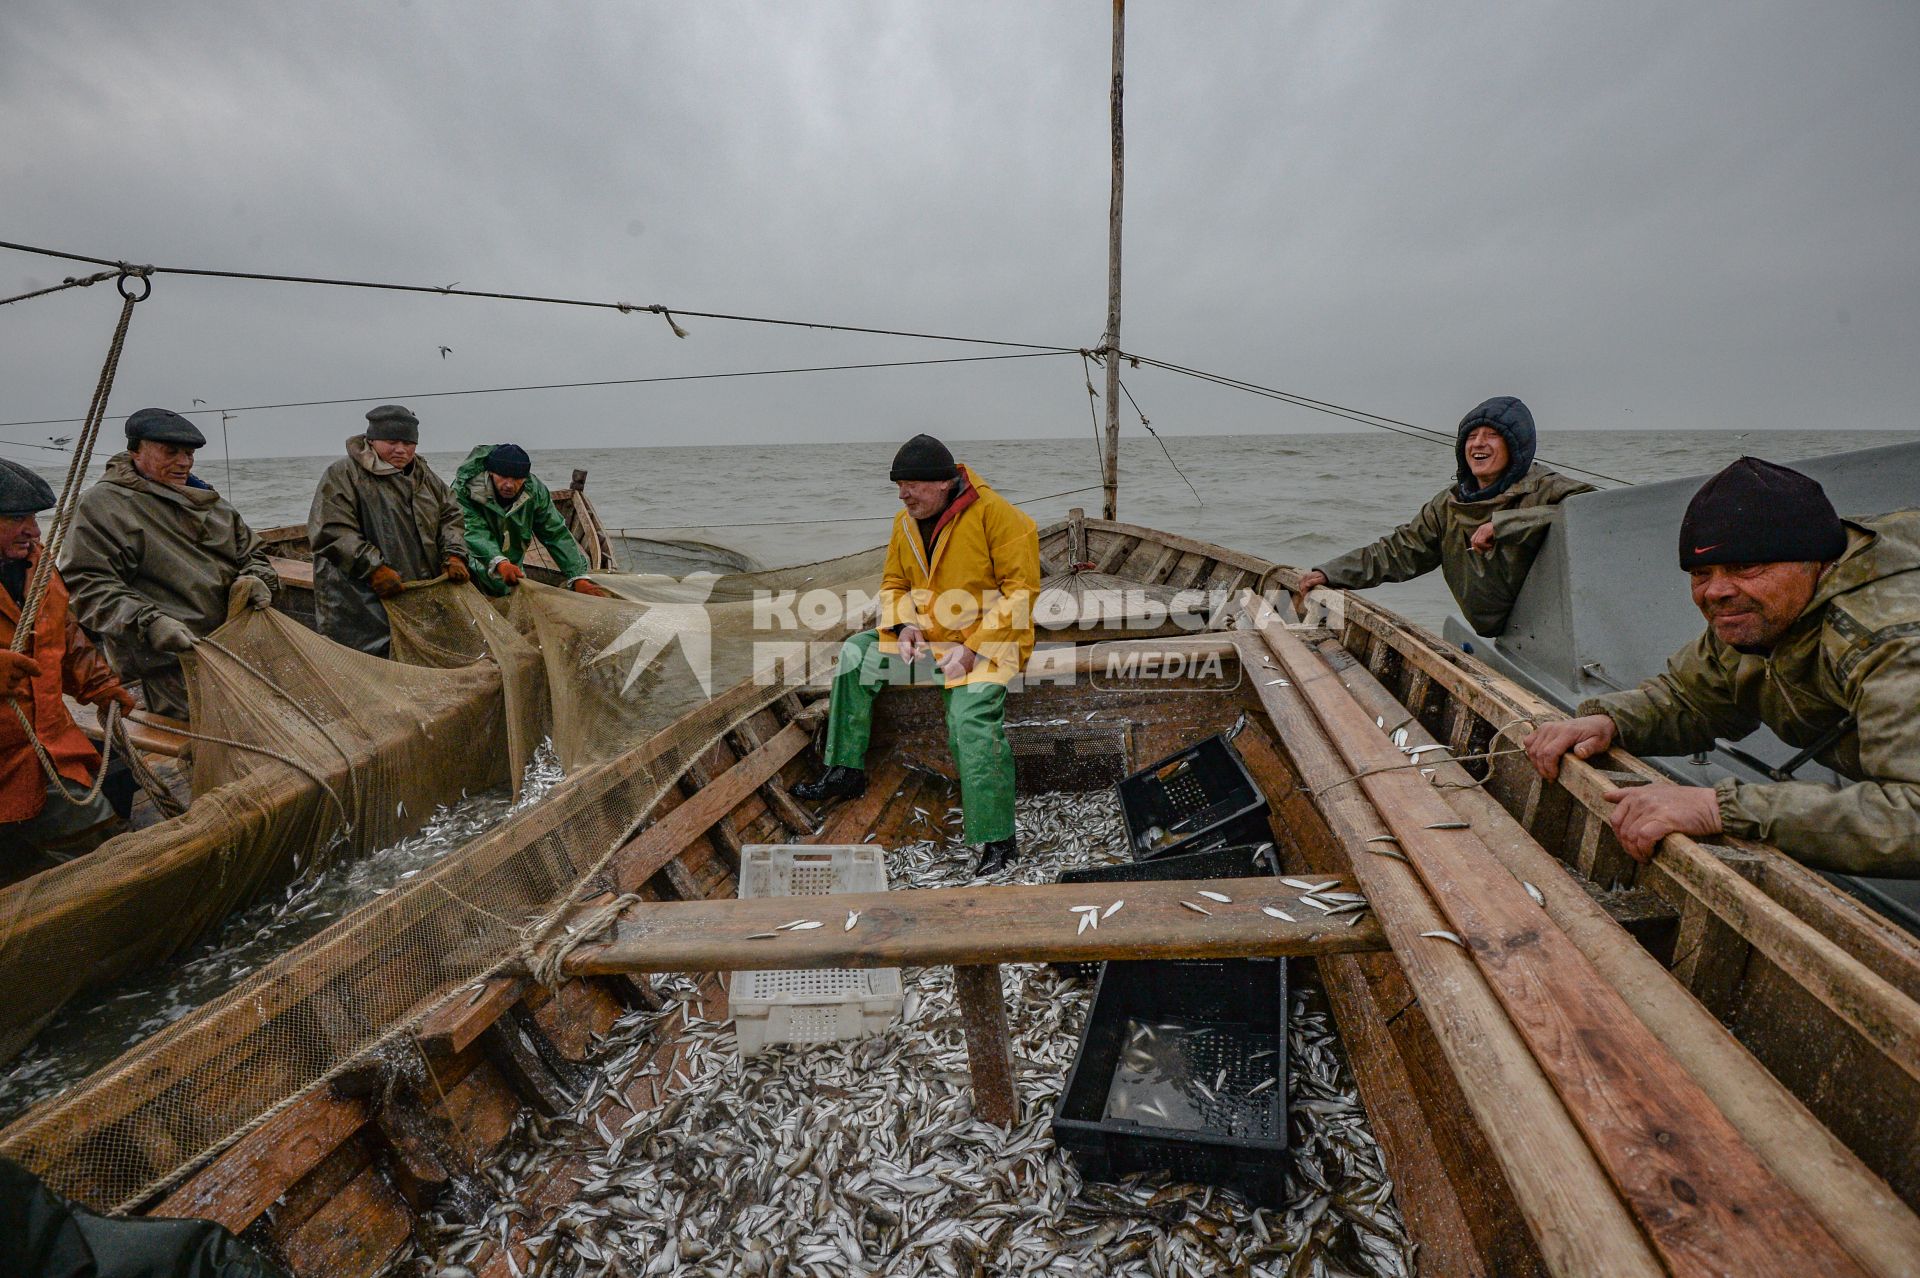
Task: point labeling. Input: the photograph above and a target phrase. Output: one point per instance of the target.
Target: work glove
(114, 695)
(581, 586)
(251, 591)
(165, 634)
(17, 669)
(509, 572)
(457, 570)
(386, 582)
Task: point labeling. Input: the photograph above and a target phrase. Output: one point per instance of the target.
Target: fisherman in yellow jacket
(963, 567)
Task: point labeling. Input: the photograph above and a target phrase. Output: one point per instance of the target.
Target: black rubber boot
(834, 783)
(996, 856)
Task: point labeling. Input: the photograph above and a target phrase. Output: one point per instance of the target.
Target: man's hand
(386, 582)
(1583, 738)
(509, 572)
(1645, 814)
(456, 569)
(955, 665)
(249, 591)
(115, 695)
(912, 641)
(1310, 580)
(581, 586)
(166, 634)
(1482, 540)
(17, 670)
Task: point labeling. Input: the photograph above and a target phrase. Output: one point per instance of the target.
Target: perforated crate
(1198, 798)
(813, 1005)
(1182, 1068)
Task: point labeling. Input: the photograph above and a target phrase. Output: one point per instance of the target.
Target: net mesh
(628, 711)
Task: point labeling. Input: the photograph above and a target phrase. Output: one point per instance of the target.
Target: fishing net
(630, 711)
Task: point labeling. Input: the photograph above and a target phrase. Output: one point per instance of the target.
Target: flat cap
(393, 422)
(21, 491)
(163, 426)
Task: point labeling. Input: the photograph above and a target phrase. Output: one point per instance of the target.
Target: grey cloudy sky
(1639, 215)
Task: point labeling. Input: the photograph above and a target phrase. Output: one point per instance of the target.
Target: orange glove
(386, 582)
(16, 671)
(112, 695)
(457, 570)
(582, 586)
(510, 572)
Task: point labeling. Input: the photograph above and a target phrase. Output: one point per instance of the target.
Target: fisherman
(1482, 531)
(506, 508)
(381, 517)
(1813, 628)
(962, 569)
(154, 556)
(39, 815)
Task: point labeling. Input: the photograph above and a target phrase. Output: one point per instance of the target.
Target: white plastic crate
(816, 1005)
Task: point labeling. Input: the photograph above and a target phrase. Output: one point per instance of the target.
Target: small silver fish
(1198, 909)
(1221, 897)
(1539, 898)
(853, 916)
(1278, 914)
(1447, 936)
(1261, 1086)
(1111, 909)
(1449, 825)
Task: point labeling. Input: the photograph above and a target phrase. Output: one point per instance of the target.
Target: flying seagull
(445, 351)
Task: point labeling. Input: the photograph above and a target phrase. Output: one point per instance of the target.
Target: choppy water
(99, 1025)
(1293, 498)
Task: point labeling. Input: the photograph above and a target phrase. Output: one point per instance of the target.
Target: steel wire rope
(842, 519)
(1390, 424)
(453, 290)
(542, 386)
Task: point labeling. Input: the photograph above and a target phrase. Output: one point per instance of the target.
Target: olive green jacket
(1853, 654)
(137, 549)
(1485, 586)
(367, 515)
(496, 532)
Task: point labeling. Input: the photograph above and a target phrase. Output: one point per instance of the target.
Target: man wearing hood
(506, 508)
(154, 555)
(380, 519)
(1813, 628)
(1481, 532)
(963, 566)
(38, 814)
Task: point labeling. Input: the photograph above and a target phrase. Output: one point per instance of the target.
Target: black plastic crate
(1237, 862)
(1142, 1095)
(1203, 797)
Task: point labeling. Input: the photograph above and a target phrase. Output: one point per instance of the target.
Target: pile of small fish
(864, 1158)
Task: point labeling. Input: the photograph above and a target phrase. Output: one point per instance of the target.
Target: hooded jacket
(1519, 503)
(137, 549)
(366, 515)
(69, 663)
(495, 531)
(976, 586)
(1850, 661)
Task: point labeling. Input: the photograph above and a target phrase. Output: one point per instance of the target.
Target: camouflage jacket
(1851, 663)
(1485, 586)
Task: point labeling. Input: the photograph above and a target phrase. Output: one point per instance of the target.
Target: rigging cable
(1148, 426)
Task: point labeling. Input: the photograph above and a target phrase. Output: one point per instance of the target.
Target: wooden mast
(1110, 345)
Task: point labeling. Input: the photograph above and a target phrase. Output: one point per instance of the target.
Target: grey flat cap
(163, 426)
(21, 491)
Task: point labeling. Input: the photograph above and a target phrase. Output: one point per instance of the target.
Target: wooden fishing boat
(1710, 1063)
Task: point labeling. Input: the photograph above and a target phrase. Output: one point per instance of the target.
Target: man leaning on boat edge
(1482, 531)
(1813, 628)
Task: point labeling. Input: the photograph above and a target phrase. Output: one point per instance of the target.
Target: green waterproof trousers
(976, 732)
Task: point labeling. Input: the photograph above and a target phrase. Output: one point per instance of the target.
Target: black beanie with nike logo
(1755, 512)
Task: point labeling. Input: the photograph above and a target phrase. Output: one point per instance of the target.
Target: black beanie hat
(923, 457)
(22, 492)
(1755, 512)
(510, 461)
(393, 422)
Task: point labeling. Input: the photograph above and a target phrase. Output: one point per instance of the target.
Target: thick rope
(1427, 749)
(346, 757)
(46, 760)
(164, 800)
(545, 961)
(346, 818)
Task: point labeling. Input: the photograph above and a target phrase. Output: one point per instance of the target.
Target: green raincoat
(1851, 658)
(136, 550)
(496, 532)
(1485, 586)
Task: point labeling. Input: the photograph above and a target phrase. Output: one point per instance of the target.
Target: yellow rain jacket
(977, 590)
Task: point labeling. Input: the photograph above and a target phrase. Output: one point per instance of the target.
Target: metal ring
(145, 279)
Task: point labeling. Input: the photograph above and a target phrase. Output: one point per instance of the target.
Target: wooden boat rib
(1788, 1004)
